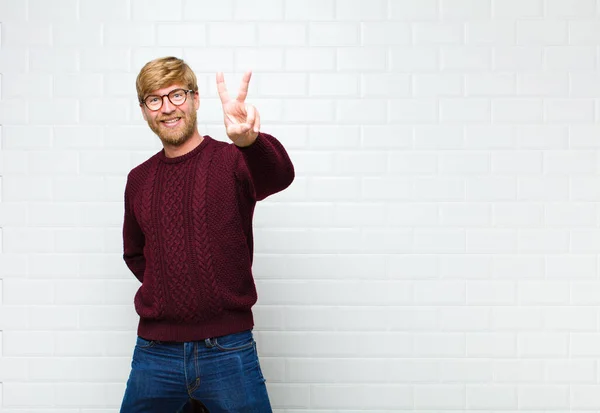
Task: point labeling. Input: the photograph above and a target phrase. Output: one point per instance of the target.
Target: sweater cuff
(259, 146)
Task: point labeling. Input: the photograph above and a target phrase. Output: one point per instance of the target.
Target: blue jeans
(223, 373)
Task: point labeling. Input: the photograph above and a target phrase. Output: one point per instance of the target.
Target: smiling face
(174, 125)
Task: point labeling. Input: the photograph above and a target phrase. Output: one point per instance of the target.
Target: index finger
(221, 88)
(244, 87)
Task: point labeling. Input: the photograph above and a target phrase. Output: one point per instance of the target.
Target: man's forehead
(166, 89)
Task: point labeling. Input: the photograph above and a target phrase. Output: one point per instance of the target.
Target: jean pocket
(143, 343)
(234, 342)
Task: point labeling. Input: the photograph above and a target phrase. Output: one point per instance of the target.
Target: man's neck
(172, 151)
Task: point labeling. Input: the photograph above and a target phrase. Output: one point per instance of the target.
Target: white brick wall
(438, 250)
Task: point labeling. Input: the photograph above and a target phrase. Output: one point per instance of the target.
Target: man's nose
(167, 106)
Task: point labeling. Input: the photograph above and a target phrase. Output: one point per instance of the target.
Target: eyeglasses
(177, 97)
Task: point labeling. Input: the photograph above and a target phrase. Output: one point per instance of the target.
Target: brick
(517, 110)
(13, 59)
(570, 163)
(491, 397)
(439, 189)
(206, 10)
(465, 9)
(409, 10)
(333, 34)
(385, 33)
(412, 163)
(491, 344)
(465, 267)
(437, 85)
(360, 10)
(413, 110)
(378, 136)
(439, 396)
(422, 59)
(491, 241)
(569, 110)
(284, 84)
(583, 32)
(282, 34)
(181, 35)
(262, 59)
(519, 371)
(543, 240)
(362, 111)
(107, 59)
(517, 162)
(542, 32)
(310, 10)
(464, 319)
(545, 397)
(306, 110)
(12, 10)
(491, 33)
(427, 34)
(543, 345)
(507, 58)
(466, 371)
(466, 58)
(508, 215)
(230, 34)
(560, 58)
(26, 34)
(570, 9)
(464, 163)
(490, 85)
(123, 35)
(77, 35)
(109, 10)
(491, 293)
(309, 59)
(542, 137)
(361, 59)
(21, 86)
(492, 188)
(258, 10)
(465, 110)
(153, 10)
(513, 9)
(584, 396)
(330, 84)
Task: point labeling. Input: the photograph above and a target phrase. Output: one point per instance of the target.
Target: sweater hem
(165, 330)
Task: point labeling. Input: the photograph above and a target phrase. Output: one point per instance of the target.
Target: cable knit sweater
(187, 236)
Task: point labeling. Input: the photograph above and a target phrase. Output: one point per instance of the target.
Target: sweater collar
(162, 157)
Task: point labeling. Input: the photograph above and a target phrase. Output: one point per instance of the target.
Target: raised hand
(242, 121)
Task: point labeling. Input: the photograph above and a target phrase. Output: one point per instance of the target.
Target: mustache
(172, 116)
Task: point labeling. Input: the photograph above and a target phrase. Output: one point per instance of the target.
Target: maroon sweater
(187, 236)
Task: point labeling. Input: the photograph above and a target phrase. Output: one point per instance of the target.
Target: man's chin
(174, 140)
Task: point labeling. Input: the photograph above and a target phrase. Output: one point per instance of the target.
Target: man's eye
(153, 100)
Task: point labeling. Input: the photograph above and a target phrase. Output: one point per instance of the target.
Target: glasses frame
(162, 99)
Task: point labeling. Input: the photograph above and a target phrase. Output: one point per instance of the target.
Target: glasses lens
(177, 96)
(153, 102)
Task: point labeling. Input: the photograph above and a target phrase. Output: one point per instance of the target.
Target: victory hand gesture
(242, 121)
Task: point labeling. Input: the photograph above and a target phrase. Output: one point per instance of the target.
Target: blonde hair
(163, 72)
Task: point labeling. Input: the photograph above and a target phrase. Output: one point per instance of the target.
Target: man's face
(173, 124)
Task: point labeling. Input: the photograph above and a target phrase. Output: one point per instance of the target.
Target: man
(187, 237)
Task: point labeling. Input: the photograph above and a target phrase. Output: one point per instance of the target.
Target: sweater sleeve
(133, 240)
(269, 166)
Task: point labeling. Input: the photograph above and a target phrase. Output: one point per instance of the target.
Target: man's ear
(196, 100)
(143, 112)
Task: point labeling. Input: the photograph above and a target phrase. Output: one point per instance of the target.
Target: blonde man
(187, 237)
